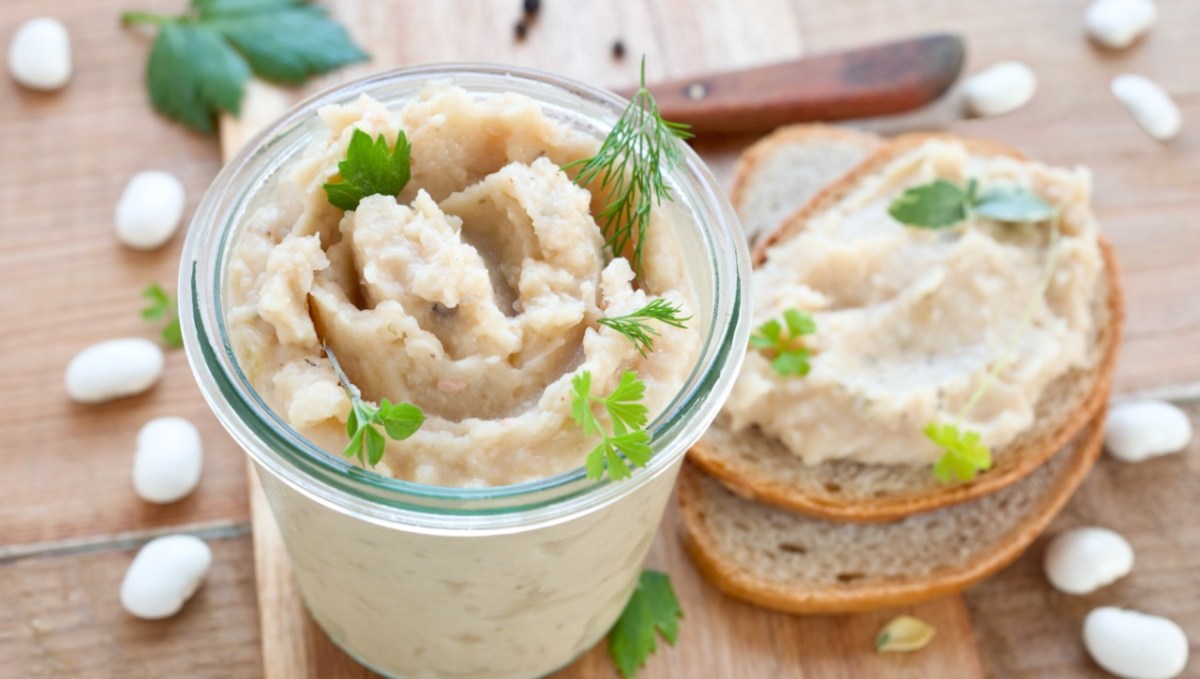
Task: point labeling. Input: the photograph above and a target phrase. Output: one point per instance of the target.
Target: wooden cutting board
(720, 637)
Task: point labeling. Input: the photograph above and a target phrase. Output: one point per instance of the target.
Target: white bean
(1136, 430)
(1117, 23)
(113, 369)
(1135, 645)
(1149, 104)
(39, 56)
(164, 575)
(1082, 560)
(1001, 88)
(150, 210)
(169, 457)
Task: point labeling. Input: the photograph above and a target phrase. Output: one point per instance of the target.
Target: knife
(879, 80)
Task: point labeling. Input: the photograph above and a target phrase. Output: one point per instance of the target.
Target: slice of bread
(782, 171)
(796, 563)
(760, 467)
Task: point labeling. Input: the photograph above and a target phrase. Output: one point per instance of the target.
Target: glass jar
(428, 581)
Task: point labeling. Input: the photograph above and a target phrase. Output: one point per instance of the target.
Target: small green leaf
(767, 336)
(964, 454)
(370, 168)
(617, 469)
(623, 404)
(1011, 203)
(595, 462)
(375, 445)
(400, 420)
(653, 610)
(581, 403)
(792, 363)
(635, 445)
(354, 446)
(172, 334)
(799, 323)
(159, 302)
(936, 205)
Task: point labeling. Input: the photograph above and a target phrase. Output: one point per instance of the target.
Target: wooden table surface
(69, 521)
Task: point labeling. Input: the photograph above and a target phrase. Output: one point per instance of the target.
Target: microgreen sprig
(160, 306)
(634, 326)
(630, 166)
(628, 416)
(789, 357)
(398, 420)
(942, 204)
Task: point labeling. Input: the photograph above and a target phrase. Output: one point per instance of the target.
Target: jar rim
(274, 444)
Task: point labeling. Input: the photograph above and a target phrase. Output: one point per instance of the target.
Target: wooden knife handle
(879, 80)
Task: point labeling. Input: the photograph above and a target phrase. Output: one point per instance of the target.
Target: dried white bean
(1117, 23)
(113, 369)
(1135, 645)
(150, 210)
(169, 457)
(1149, 104)
(1082, 560)
(1136, 430)
(1001, 88)
(39, 56)
(164, 575)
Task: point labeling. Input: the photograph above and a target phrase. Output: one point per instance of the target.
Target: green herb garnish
(160, 306)
(630, 166)
(370, 168)
(634, 326)
(653, 610)
(201, 60)
(398, 420)
(789, 357)
(941, 204)
(628, 416)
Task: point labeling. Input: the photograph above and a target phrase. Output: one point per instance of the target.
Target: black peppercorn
(520, 29)
(618, 49)
(531, 7)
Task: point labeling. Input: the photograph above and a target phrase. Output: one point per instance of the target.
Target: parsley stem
(352, 390)
(134, 18)
(1026, 317)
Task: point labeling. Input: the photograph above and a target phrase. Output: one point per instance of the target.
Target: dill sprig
(634, 326)
(630, 166)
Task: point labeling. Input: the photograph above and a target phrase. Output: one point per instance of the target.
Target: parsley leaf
(964, 453)
(653, 610)
(399, 420)
(370, 168)
(634, 326)
(160, 306)
(935, 205)
(628, 416)
(201, 60)
(788, 356)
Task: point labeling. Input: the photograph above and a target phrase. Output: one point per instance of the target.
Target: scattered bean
(1118, 23)
(166, 572)
(1001, 88)
(113, 369)
(1135, 645)
(150, 210)
(1149, 104)
(1136, 430)
(39, 56)
(1082, 560)
(166, 467)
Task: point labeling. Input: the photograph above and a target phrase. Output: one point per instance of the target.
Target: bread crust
(766, 488)
(752, 158)
(795, 598)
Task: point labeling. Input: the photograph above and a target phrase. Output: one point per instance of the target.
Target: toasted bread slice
(800, 564)
(760, 467)
(782, 171)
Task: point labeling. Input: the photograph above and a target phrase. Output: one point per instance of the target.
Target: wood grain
(65, 283)
(61, 618)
